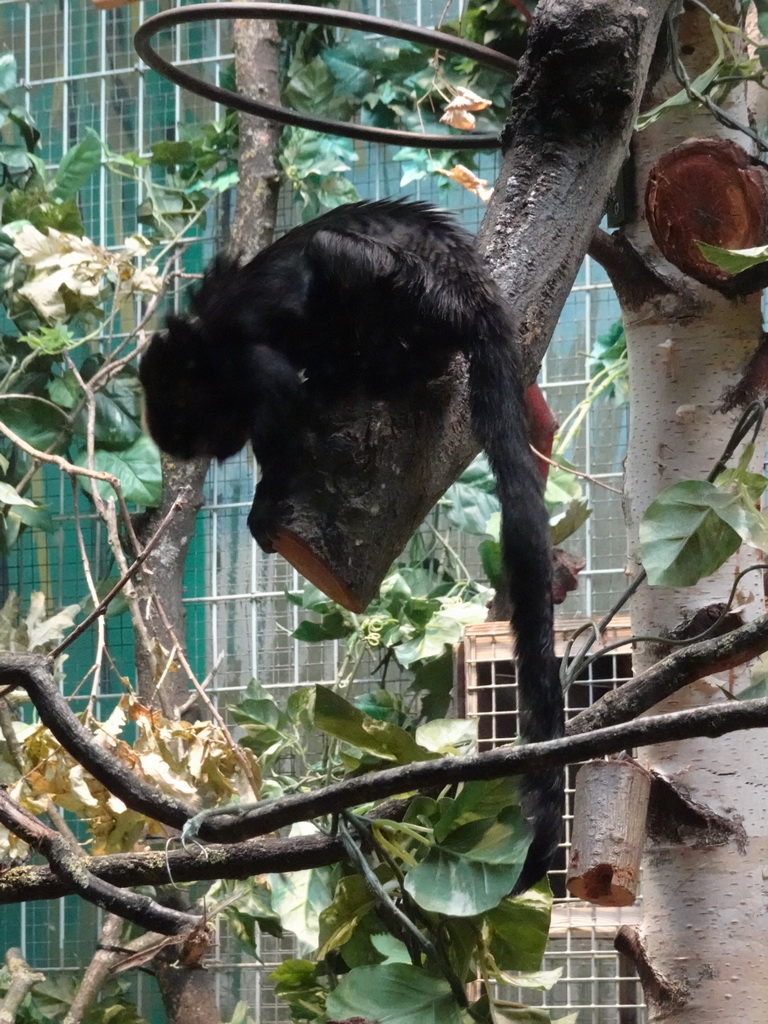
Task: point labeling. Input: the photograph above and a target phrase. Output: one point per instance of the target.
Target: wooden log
(610, 808)
(366, 474)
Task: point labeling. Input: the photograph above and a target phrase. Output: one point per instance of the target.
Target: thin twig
(574, 472)
(130, 573)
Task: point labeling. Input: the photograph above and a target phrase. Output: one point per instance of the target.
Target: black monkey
(373, 298)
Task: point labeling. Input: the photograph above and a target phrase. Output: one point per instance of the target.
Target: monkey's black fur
(373, 298)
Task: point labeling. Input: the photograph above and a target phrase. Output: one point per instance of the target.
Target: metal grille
(78, 70)
(581, 942)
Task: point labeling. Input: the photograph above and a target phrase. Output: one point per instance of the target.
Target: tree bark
(187, 992)
(702, 941)
(574, 106)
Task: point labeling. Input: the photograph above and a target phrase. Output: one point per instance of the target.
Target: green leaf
(680, 99)
(755, 483)
(297, 983)
(166, 154)
(38, 518)
(337, 717)
(471, 501)
(118, 413)
(394, 993)
(137, 468)
(519, 929)
(342, 919)
(435, 680)
(10, 496)
(299, 898)
(474, 868)
(383, 705)
(7, 72)
(689, 531)
(263, 722)
(759, 685)
(562, 487)
(574, 517)
(477, 801)
(733, 261)
(493, 566)
(39, 425)
(452, 736)
(352, 77)
(333, 626)
(444, 627)
(65, 391)
(77, 165)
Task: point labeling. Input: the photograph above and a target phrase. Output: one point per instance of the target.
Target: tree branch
(254, 856)
(23, 978)
(34, 673)
(69, 866)
(672, 673)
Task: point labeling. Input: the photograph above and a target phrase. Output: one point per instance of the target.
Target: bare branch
(671, 674)
(128, 575)
(71, 868)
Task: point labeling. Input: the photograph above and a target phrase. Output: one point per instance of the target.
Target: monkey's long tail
(500, 424)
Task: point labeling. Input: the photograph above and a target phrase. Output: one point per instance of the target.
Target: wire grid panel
(78, 71)
(595, 980)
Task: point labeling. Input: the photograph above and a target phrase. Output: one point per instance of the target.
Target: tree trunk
(700, 950)
(188, 993)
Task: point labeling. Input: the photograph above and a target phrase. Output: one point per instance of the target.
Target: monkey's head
(192, 393)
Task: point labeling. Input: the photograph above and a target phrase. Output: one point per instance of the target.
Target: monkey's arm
(275, 427)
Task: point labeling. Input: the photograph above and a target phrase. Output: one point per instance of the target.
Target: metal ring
(321, 16)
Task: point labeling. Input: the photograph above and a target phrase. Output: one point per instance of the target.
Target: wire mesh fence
(77, 71)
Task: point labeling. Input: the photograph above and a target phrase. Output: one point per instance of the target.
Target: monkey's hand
(262, 518)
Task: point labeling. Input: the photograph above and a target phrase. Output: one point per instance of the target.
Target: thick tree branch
(234, 861)
(34, 673)
(574, 106)
(245, 858)
(505, 761)
(71, 868)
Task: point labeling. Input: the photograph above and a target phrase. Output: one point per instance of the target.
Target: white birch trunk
(705, 926)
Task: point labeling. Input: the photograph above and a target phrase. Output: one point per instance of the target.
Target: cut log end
(604, 886)
(316, 570)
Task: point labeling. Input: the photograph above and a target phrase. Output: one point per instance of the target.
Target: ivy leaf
(333, 626)
(471, 501)
(393, 993)
(262, 721)
(474, 868)
(337, 717)
(445, 627)
(77, 165)
(519, 929)
(689, 530)
(137, 468)
(574, 517)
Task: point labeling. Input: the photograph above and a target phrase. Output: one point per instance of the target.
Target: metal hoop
(321, 16)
